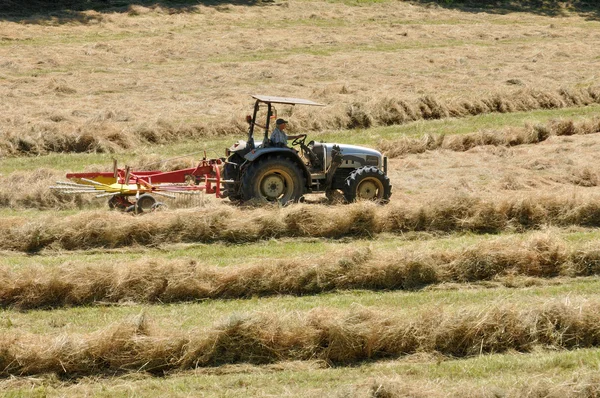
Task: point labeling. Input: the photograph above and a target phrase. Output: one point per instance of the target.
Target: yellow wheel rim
(276, 185)
(370, 189)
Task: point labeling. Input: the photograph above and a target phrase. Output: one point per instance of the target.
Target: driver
(278, 136)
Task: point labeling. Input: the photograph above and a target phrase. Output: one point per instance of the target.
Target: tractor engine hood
(354, 156)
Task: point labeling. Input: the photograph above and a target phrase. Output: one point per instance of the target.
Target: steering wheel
(299, 140)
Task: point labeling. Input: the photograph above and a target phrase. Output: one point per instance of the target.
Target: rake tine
(187, 192)
(79, 191)
(102, 195)
(94, 182)
(74, 184)
(72, 187)
(164, 194)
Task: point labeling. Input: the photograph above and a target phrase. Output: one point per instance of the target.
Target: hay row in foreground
(152, 281)
(224, 223)
(342, 338)
(104, 137)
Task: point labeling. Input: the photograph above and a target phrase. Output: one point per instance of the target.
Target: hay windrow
(222, 223)
(152, 281)
(24, 190)
(108, 77)
(529, 134)
(101, 136)
(342, 338)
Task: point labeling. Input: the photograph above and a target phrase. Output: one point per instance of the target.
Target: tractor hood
(353, 156)
(353, 150)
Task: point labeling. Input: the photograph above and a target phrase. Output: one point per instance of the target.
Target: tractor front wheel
(273, 180)
(367, 183)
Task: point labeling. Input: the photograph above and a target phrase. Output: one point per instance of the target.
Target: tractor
(265, 172)
(269, 173)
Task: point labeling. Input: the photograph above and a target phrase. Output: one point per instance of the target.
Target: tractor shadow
(589, 9)
(69, 11)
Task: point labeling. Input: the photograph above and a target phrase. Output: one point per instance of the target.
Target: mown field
(479, 278)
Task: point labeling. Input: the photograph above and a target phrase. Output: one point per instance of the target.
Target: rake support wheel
(145, 203)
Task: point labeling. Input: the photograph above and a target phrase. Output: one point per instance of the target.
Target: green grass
(6, 212)
(221, 254)
(218, 254)
(308, 249)
(490, 373)
(79, 161)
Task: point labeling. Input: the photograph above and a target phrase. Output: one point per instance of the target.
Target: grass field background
(480, 278)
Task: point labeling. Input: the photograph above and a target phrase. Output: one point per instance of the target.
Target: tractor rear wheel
(367, 183)
(273, 180)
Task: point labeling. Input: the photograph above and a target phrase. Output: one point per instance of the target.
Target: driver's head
(281, 124)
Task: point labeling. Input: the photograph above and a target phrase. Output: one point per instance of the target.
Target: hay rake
(123, 184)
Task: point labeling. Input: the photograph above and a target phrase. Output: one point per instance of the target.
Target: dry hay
(31, 190)
(562, 159)
(580, 384)
(222, 223)
(342, 338)
(153, 281)
(92, 84)
(530, 134)
(99, 137)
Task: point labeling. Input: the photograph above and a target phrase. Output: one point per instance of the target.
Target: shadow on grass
(65, 11)
(549, 8)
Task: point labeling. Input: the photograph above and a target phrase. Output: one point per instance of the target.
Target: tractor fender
(289, 153)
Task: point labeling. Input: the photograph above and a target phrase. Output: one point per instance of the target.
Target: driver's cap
(280, 121)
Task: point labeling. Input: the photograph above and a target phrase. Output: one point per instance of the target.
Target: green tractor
(272, 173)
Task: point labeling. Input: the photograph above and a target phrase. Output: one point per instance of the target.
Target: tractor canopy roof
(267, 99)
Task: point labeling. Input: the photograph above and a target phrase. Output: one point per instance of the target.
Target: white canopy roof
(284, 100)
